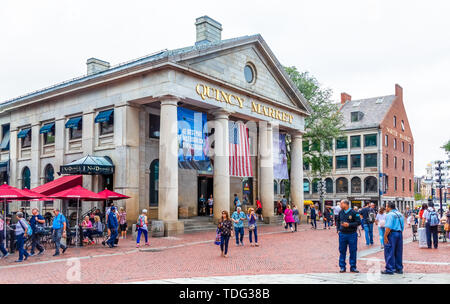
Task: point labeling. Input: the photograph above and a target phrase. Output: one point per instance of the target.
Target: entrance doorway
(205, 188)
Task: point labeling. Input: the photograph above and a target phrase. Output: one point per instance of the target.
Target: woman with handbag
(252, 227)
(225, 227)
(380, 220)
(296, 215)
(288, 217)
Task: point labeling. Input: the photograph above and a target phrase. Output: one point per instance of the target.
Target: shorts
(259, 211)
(123, 227)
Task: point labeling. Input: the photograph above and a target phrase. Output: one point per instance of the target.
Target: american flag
(240, 161)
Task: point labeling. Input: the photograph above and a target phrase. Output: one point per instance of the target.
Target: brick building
(374, 161)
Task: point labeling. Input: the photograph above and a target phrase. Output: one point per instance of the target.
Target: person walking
(431, 218)
(408, 216)
(380, 220)
(336, 210)
(284, 203)
(224, 226)
(59, 230)
(447, 224)
(236, 202)
(123, 222)
(210, 205)
(36, 221)
(2, 238)
(201, 205)
(252, 226)
(327, 218)
(368, 218)
(288, 218)
(421, 219)
(347, 222)
(113, 225)
(142, 223)
(393, 240)
(238, 218)
(312, 217)
(21, 234)
(259, 209)
(296, 216)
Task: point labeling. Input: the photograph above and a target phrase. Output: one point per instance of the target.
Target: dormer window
(356, 116)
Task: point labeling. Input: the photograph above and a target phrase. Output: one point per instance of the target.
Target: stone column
(297, 171)
(168, 167)
(88, 148)
(266, 167)
(13, 156)
(221, 184)
(35, 155)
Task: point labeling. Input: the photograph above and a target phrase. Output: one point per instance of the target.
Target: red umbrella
(78, 193)
(111, 195)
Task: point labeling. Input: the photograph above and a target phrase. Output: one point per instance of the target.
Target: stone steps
(199, 224)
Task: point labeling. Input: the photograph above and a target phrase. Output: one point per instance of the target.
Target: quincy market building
(121, 123)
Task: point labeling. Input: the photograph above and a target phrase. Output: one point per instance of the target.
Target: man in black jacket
(347, 224)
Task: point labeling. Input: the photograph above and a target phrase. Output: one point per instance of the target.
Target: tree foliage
(323, 125)
(446, 146)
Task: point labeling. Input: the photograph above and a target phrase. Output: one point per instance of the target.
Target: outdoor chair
(443, 233)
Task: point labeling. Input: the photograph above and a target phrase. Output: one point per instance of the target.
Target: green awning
(104, 116)
(74, 122)
(47, 128)
(23, 133)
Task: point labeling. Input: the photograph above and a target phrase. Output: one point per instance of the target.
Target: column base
(273, 219)
(172, 228)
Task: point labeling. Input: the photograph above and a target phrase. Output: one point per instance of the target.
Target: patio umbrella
(38, 196)
(80, 194)
(9, 193)
(111, 195)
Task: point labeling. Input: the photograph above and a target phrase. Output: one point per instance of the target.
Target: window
(154, 125)
(305, 165)
(330, 162)
(341, 185)
(370, 184)
(356, 116)
(305, 185)
(329, 185)
(395, 144)
(410, 166)
(75, 125)
(341, 143)
(356, 161)
(26, 178)
(154, 181)
(395, 162)
(403, 184)
(403, 146)
(49, 173)
(341, 162)
(395, 183)
(387, 161)
(305, 146)
(355, 141)
(410, 185)
(386, 183)
(106, 120)
(315, 185)
(48, 130)
(328, 144)
(403, 125)
(370, 140)
(249, 73)
(410, 149)
(395, 121)
(5, 139)
(370, 160)
(356, 185)
(386, 140)
(25, 136)
(403, 164)
(315, 146)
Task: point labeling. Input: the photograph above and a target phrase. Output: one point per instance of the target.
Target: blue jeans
(393, 252)
(432, 231)
(57, 234)
(250, 232)
(237, 231)
(368, 229)
(113, 236)
(349, 240)
(327, 222)
(20, 242)
(381, 231)
(313, 222)
(35, 243)
(145, 232)
(2, 245)
(224, 243)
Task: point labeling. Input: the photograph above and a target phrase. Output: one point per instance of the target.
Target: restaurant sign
(87, 169)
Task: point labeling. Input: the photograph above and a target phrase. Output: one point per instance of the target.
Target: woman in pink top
(288, 217)
(87, 228)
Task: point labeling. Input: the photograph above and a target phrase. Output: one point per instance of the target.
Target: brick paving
(194, 255)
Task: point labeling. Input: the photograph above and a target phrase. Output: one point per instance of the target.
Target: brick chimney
(95, 65)
(398, 91)
(208, 30)
(345, 97)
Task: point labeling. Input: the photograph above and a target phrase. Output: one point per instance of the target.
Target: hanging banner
(280, 167)
(192, 140)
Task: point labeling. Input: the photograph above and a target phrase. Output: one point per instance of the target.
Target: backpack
(371, 217)
(140, 222)
(433, 218)
(30, 231)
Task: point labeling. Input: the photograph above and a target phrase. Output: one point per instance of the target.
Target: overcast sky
(359, 47)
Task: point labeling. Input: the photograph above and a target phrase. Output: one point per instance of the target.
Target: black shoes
(399, 272)
(354, 270)
(385, 272)
(342, 270)
(56, 254)
(65, 248)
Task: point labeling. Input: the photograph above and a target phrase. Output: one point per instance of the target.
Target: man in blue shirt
(347, 223)
(238, 218)
(367, 219)
(59, 230)
(113, 224)
(237, 202)
(35, 220)
(393, 240)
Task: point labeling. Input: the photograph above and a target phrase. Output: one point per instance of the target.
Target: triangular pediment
(227, 64)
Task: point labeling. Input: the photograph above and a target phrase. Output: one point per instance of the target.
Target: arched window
(49, 173)
(306, 185)
(154, 180)
(341, 185)
(315, 185)
(275, 187)
(26, 178)
(370, 184)
(329, 185)
(356, 185)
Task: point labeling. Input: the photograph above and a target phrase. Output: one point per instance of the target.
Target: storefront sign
(87, 169)
(205, 92)
(396, 134)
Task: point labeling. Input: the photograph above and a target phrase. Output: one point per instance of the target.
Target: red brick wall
(395, 132)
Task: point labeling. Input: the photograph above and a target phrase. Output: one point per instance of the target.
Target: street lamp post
(439, 175)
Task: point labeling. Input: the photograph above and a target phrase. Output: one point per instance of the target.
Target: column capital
(220, 113)
(297, 135)
(169, 100)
